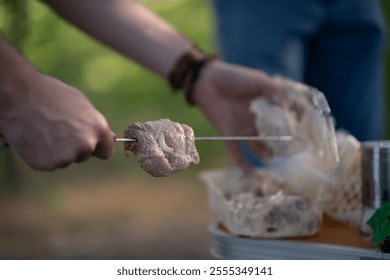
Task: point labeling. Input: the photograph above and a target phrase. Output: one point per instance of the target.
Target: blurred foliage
(14, 20)
(122, 90)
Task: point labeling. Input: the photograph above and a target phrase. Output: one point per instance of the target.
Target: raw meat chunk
(162, 146)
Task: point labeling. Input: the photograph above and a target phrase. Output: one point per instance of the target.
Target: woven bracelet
(187, 70)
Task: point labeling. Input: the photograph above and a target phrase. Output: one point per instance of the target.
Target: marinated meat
(162, 146)
(262, 206)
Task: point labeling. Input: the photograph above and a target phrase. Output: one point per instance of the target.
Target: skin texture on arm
(47, 123)
(128, 27)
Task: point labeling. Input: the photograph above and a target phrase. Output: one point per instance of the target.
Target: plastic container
(375, 164)
(375, 173)
(260, 208)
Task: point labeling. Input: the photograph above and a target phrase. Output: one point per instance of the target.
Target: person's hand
(51, 125)
(223, 92)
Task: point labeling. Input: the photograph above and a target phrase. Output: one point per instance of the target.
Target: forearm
(128, 27)
(15, 75)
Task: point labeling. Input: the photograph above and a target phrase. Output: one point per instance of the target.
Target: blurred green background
(107, 209)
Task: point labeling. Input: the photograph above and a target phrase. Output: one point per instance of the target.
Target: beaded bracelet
(186, 71)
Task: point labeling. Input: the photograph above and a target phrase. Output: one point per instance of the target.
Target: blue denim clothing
(336, 46)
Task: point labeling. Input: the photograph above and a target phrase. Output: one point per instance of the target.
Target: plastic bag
(286, 196)
(312, 157)
(345, 200)
(307, 118)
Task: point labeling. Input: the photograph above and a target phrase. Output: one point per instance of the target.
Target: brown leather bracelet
(187, 70)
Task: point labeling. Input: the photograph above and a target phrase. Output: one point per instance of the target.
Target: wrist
(15, 89)
(188, 70)
(16, 75)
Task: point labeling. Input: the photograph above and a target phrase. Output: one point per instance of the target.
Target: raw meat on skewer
(162, 146)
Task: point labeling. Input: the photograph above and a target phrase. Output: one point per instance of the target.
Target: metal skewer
(246, 138)
(125, 140)
(284, 138)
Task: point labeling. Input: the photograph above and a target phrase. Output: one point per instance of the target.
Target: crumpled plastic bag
(286, 196)
(344, 202)
(310, 161)
(307, 118)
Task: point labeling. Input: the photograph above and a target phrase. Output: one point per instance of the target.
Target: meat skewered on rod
(164, 147)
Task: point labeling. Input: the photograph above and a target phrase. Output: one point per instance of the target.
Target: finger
(85, 149)
(280, 97)
(277, 94)
(271, 89)
(105, 147)
(49, 164)
(298, 109)
(63, 165)
(82, 157)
